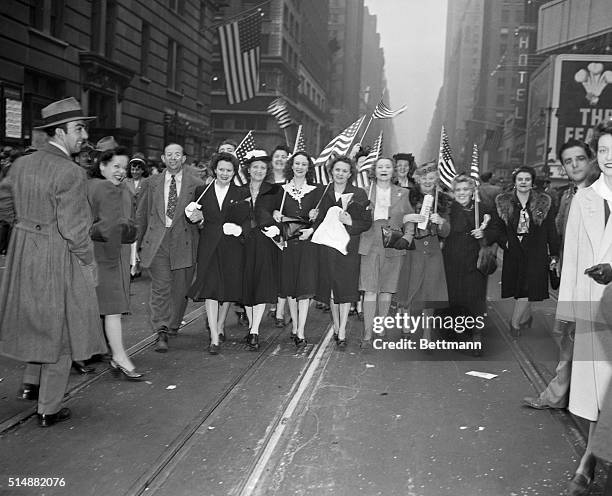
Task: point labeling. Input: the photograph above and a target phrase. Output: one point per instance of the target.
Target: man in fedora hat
(48, 308)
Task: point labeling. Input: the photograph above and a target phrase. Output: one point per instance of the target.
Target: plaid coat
(48, 287)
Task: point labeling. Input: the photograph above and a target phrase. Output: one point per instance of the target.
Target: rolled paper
(426, 210)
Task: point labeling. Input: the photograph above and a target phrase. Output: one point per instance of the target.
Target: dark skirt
(339, 274)
(298, 277)
(220, 277)
(260, 283)
(467, 286)
(113, 290)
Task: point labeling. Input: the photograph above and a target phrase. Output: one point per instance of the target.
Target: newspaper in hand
(426, 210)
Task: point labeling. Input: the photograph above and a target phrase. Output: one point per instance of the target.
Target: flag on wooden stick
(363, 173)
(341, 144)
(446, 166)
(240, 51)
(246, 145)
(474, 166)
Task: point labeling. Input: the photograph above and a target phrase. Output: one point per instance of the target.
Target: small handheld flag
(246, 145)
(446, 166)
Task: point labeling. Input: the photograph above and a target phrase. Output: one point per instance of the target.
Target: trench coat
(587, 303)
(48, 289)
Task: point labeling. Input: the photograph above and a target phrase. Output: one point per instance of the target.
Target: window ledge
(48, 37)
(199, 103)
(174, 92)
(145, 79)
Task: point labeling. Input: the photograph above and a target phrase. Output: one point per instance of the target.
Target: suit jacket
(151, 222)
(48, 288)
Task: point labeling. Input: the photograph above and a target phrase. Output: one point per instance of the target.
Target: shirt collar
(61, 147)
(178, 176)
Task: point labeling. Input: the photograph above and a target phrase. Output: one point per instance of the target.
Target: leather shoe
(222, 337)
(213, 349)
(172, 332)
(539, 404)
(580, 485)
(162, 342)
(48, 419)
(28, 392)
(82, 369)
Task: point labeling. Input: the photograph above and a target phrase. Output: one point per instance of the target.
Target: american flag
(300, 143)
(246, 145)
(341, 144)
(363, 178)
(446, 166)
(240, 49)
(321, 174)
(474, 166)
(278, 109)
(383, 112)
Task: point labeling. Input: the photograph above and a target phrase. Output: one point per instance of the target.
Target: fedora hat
(62, 111)
(106, 143)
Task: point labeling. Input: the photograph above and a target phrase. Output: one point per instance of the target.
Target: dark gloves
(402, 244)
(600, 273)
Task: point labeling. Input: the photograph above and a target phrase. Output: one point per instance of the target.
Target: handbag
(291, 227)
(487, 260)
(391, 236)
(554, 279)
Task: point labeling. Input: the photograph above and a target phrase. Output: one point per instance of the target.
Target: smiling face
(224, 172)
(341, 172)
(523, 182)
(427, 182)
(227, 148)
(279, 160)
(173, 158)
(383, 169)
(576, 163)
(403, 167)
(300, 166)
(115, 169)
(136, 171)
(604, 154)
(258, 170)
(74, 136)
(463, 192)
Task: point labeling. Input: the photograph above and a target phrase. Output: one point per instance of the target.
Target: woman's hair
(228, 141)
(344, 159)
(223, 156)
(104, 158)
(310, 175)
(462, 178)
(602, 128)
(281, 147)
(524, 168)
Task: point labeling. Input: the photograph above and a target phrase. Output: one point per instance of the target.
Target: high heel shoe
(300, 342)
(254, 342)
(527, 323)
(580, 485)
(129, 375)
(341, 344)
(515, 332)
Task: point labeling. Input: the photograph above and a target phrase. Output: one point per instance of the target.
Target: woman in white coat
(584, 296)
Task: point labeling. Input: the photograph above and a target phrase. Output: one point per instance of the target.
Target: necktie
(172, 199)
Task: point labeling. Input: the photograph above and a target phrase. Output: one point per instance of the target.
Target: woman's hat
(254, 155)
(106, 143)
(426, 168)
(138, 157)
(66, 110)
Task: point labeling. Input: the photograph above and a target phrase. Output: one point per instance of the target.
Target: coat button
(37, 227)
(425, 243)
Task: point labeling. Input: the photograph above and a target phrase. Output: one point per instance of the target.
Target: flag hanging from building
(363, 174)
(240, 50)
(383, 112)
(446, 166)
(278, 109)
(341, 144)
(300, 143)
(493, 139)
(475, 165)
(246, 145)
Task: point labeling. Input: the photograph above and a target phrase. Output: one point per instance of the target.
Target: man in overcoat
(48, 308)
(168, 242)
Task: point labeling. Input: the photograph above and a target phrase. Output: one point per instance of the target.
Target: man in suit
(49, 312)
(168, 242)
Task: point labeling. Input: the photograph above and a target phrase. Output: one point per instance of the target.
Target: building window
(175, 56)
(47, 16)
(500, 100)
(142, 135)
(505, 16)
(145, 48)
(111, 22)
(104, 107)
(501, 83)
(201, 91)
(177, 6)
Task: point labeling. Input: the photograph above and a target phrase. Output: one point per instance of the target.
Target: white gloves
(230, 229)
(271, 231)
(192, 211)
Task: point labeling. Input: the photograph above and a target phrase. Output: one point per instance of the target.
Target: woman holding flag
(298, 279)
(343, 208)
(423, 286)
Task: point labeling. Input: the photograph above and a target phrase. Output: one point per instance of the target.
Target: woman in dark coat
(524, 226)
(338, 283)
(113, 208)
(298, 277)
(261, 255)
(467, 286)
(224, 217)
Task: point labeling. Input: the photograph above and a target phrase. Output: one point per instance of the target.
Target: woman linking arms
(339, 273)
(113, 231)
(224, 216)
(380, 266)
(298, 277)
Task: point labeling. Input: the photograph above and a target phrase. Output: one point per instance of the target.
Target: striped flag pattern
(300, 143)
(474, 166)
(322, 175)
(246, 145)
(383, 112)
(341, 144)
(278, 109)
(363, 174)
(240, 51)
(446, 166)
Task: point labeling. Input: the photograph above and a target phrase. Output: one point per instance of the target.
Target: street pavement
(317, 421)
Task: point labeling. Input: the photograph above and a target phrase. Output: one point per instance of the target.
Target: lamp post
(547, 144)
